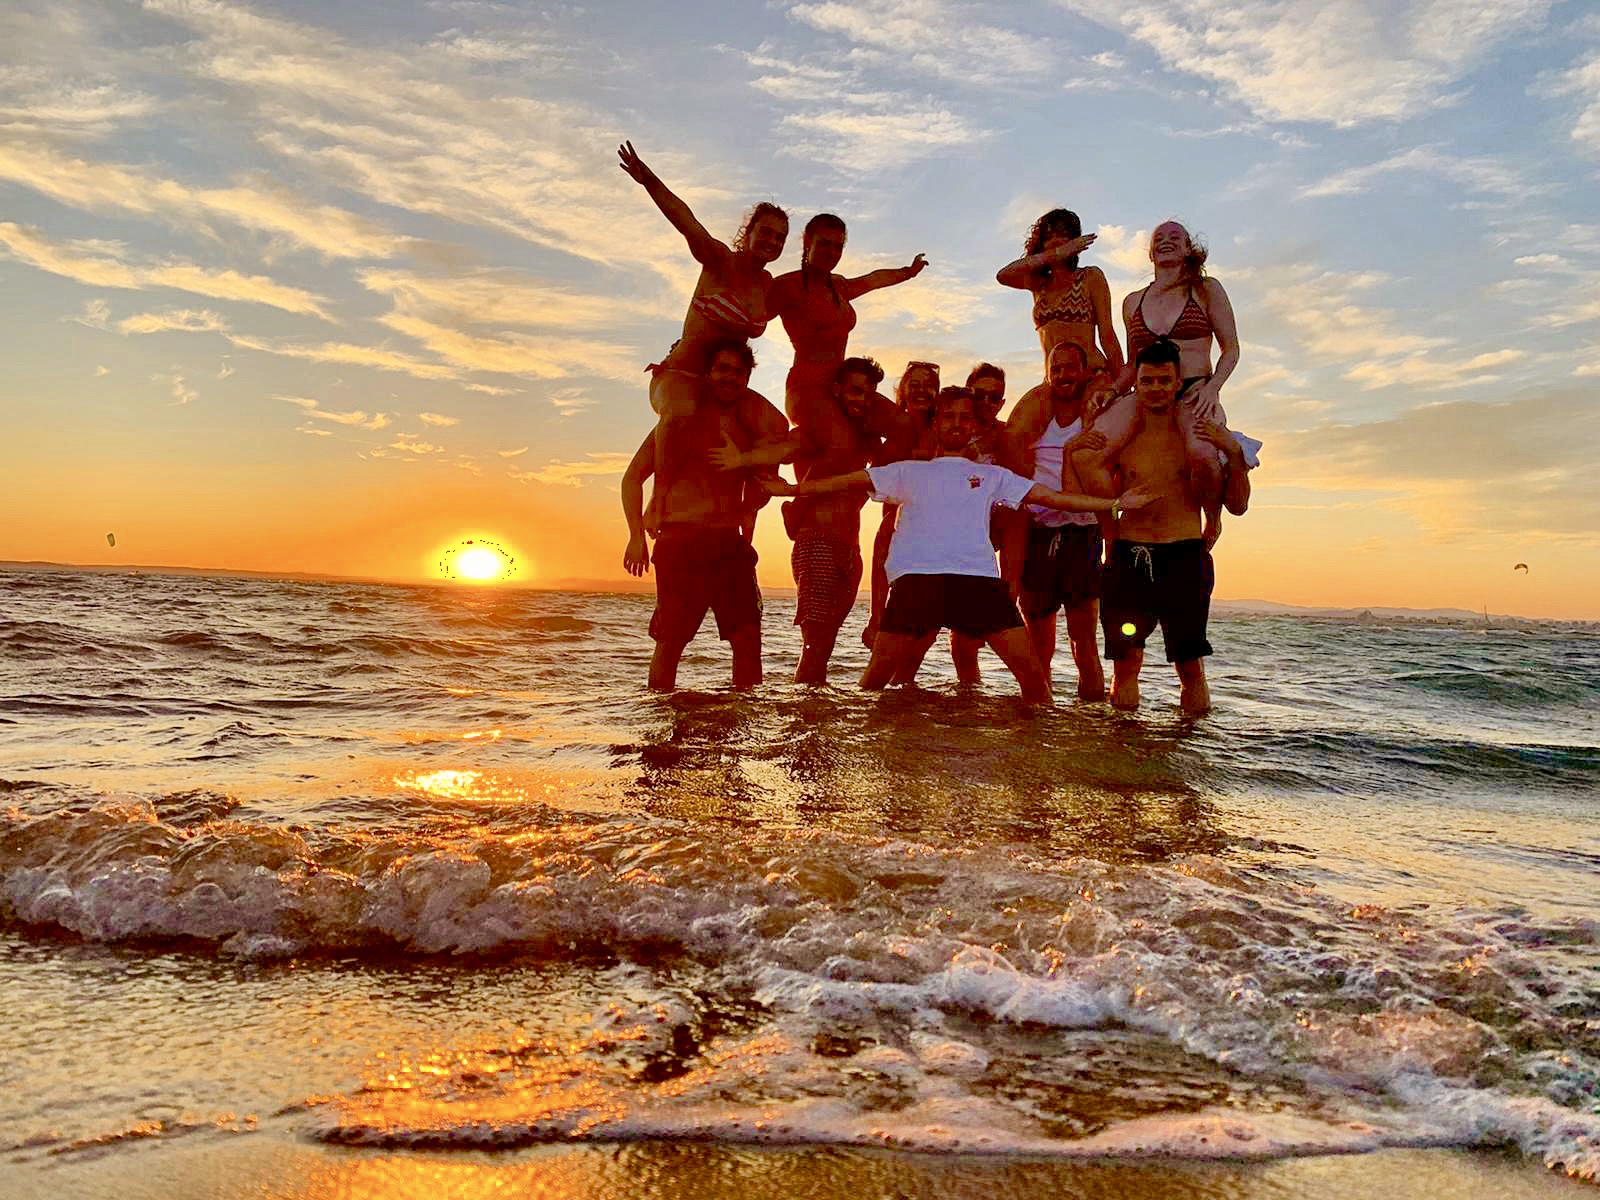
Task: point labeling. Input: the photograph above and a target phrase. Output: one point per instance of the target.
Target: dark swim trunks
(1158, 583)
(827, 575)
(698, 568)
(1061, 570)
(975, 605)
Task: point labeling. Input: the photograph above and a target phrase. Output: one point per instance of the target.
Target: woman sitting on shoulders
(1071, 303)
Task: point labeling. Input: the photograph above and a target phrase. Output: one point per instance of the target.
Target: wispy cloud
(182, 393)
(438, 420)
(356, 419)
(953, 41)
(181, 320)
(1340, 62)
(347, 354)
(517, 453)
(97, 269)
(572, 474)
(1475, 174)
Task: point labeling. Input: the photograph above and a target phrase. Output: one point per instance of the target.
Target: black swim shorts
(971, 604)
(1158, 583)
(827, 575)
(1061, 568)
(699, 568)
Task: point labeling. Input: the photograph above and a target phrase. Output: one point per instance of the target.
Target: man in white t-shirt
(941, 565)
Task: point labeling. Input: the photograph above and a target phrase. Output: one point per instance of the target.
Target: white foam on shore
(1393, 1027)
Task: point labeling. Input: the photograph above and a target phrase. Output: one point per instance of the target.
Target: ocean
(314, 889)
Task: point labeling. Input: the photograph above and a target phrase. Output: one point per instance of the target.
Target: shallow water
(426, 868)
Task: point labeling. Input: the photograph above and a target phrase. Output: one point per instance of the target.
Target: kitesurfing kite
(1520, 567)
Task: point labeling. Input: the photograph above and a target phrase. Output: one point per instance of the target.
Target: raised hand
(917, 263)
(1076, 246)
(634, 165)
(636, 558)
(726, 457)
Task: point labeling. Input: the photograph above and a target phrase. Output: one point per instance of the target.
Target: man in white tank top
(1061, 557)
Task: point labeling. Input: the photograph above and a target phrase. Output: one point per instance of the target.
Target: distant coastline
(1240, 607)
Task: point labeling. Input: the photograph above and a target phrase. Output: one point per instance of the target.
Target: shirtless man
(1160, 570)
(941, 564)
(1060, 552)
(703, 555)
(826, 530)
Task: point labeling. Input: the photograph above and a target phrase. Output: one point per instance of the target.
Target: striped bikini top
(1193, 323)
(724, 309)
(1074, 305)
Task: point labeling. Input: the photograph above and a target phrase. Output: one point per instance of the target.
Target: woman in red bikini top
(1187, 305)
(730, 296)
(1070, 304)
(815, 307)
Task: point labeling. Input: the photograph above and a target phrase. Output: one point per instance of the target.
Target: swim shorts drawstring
(1143, 552)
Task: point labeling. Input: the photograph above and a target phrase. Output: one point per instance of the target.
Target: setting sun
(476, 560)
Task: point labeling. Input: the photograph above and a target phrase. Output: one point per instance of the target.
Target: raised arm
(636, 558)
(819, 487)
(705, 248)
(1220, 310)
(1072, 502)
(888, 277)
(1024, 272)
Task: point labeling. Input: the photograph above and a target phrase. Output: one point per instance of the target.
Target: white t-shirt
(943, 526)
(1047, 471)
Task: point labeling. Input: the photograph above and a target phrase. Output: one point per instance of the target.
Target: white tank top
(1047, 471)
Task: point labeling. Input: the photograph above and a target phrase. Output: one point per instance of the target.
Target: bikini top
(819, 321)
(1193, 324)
(724, 310)
(1074, 305)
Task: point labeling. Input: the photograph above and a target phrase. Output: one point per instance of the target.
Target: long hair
(818, 223)
(741, 240)
(900, 387)
(1058, 222)
(1194, 262)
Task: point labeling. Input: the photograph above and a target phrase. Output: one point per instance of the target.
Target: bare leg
(906, 673)
(816, 647)
(1206, 474)
(964, 653)
(1125, 680)
(889, 652)
(664, 665)
(746, 646)
(880, 573)
(673, 391)
(1031, 416)
(1016, 651)
(1042, 633)
(1083, 630)
(1194, 696)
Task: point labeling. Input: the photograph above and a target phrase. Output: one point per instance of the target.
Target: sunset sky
(332, 288)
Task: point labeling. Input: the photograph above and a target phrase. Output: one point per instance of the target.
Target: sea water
(428, 869)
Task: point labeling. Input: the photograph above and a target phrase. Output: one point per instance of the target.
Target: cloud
(1582, 81)
(101, 372)
(313, 431)
(508, 353)
(502, 298)
(89, 264)
(410, 443)
(356, 419)
(571, 401)
(37, 104)
(438, 419)
(1464, 469)
(348, 354)
(517, 453)
(182, 393)
(572, 474)
(96, 314)
(1338, 62)
(1479, 174)
(226, 370)
(933, 37)
(256, 204)
(183, 320)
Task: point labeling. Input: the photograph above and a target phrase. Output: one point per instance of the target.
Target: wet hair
(1058, 222)
(1194, 262)
(741, 240)
(817, 224)
(1161, 352)
(860, 366)
(986, 370)
(948, 396)
(746, 356)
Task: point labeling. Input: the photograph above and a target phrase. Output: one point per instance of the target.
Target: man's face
(955, 425)
(1157, 387)
(727, 379)
(990, 395)
(1067, 369)
(854, 395)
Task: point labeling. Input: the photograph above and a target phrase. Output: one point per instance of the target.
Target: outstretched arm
(636, 558)
(1072, 502)
(705, 248)
(888, 277)
(818, 487)
(1024, 272)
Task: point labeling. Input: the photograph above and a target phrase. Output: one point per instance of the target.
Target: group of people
(1099, 496)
